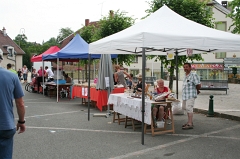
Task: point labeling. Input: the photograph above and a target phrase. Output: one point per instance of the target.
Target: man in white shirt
(49, 74)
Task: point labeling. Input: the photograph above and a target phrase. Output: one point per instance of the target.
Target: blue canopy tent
(76, 49)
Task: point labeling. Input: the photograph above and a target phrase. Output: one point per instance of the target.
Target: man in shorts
(190, 90)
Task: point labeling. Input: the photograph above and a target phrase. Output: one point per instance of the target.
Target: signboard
(232, 59)
(208, 66)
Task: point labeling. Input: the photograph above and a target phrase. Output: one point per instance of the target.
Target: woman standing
(25, 72)
(119, 76)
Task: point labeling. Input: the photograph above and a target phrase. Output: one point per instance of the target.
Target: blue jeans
(24, 77)
(6, 143)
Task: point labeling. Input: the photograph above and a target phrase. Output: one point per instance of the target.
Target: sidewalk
(224, 105)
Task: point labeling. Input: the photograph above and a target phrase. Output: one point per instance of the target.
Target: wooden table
(169, 116)
(60, 88)
(132, 107)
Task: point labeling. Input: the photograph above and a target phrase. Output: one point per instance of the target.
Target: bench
(148, 80)
(217, 85)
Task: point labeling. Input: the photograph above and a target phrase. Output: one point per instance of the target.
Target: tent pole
(176, 73)
(57, 76)
(89, 61)
(78, 72)
(43, 77)
(143, 91)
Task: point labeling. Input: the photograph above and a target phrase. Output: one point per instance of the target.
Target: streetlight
(21, 33)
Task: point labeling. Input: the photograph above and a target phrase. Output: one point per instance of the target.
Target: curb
(216, 114)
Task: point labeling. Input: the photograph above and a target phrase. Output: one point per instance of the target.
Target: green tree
(235, 15)
(63, 33)
(115, 22)
(194, 10)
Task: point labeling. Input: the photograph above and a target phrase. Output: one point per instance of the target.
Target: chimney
(111, 13)
(224, 4)
(86, 22)
(4, 31)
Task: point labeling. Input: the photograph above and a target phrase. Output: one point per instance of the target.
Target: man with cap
(10, 89)
(9, 67)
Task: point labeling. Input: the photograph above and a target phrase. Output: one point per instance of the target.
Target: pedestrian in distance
(9, 67)
(10, 89)
(19, 72)
(190, 90)
(25, 73)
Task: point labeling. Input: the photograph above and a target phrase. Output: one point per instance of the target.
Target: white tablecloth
(131, 107)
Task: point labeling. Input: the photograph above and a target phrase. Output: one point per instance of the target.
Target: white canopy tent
(165, 30)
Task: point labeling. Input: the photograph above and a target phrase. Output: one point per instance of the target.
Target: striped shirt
(189, 86)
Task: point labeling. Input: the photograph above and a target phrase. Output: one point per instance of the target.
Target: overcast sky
(42, 19)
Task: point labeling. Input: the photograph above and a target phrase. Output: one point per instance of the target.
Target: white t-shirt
(49, 72)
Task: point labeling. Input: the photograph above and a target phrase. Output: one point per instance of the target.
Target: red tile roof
(6, 41)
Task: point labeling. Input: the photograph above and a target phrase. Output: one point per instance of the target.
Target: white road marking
(87, 130)
(51, 114)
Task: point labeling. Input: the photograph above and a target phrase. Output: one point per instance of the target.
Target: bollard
(210, 109)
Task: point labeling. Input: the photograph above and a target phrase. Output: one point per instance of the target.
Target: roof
(66, 40)
(5, 40)
(219, 7)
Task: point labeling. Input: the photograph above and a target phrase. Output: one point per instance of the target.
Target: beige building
(12, 53)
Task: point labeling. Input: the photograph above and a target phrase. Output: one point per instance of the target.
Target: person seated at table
(158, 110)
(67, 78)
(119, 76)
(138, 85)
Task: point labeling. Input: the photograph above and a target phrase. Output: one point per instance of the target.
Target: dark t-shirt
(19, 73)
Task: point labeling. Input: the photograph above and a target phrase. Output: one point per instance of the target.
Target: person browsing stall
(190, 90)
(158, 110)
(119, 76)
(41, 74)
(49, 74)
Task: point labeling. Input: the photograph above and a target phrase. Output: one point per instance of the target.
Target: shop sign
(208, 66)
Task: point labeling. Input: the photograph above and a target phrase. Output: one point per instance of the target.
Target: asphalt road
(62, 131)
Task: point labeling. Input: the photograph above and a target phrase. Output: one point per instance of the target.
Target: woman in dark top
(19, 72)
(138, 85)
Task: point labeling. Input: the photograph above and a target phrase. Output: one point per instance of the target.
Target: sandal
(187, 127)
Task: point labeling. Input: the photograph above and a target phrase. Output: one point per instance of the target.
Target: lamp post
(21, 33)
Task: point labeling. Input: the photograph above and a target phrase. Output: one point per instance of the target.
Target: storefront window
(210, 71)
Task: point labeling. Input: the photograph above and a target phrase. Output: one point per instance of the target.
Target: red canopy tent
(51, 50)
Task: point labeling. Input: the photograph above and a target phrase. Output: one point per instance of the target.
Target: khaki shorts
(188, 105)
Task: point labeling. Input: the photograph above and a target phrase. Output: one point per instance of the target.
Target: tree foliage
(115, 22)
(235, 15)
(32, 48)
(63, 33)
(194, 10)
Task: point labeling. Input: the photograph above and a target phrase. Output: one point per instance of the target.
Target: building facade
(213, 65)
(12, 53)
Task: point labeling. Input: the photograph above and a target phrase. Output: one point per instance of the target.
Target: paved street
(61, 131)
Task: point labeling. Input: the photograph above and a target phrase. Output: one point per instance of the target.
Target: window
(136, 59)
(221, 26)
